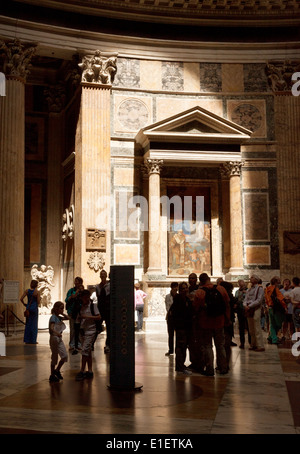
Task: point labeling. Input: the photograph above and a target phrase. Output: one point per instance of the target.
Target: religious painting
(189, 236)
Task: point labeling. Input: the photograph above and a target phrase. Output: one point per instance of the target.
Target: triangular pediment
(194, 127)
(195, 124)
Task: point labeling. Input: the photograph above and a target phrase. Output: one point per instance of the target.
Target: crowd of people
(195, 327)
(86, 313)
(199, 316)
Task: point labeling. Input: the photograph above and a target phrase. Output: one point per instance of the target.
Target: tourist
(57, 346)
(288, 325)
(229, 324)
(103, 304)
(276, 308)
(88, 330)
(240, 311)
(72, 294)
(170, 323)
(139, 297)
(252, 305)
(212, 323)
(295, 299)
(182, 316)
(31, 313)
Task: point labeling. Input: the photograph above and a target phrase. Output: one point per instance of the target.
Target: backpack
(277, 307)
(214, 302)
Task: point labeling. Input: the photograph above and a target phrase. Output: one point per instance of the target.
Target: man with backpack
(212, 311)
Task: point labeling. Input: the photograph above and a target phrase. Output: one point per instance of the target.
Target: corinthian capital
(279, 74)
(17, 58)
(99, 68)
(154, 165)
(232, 168)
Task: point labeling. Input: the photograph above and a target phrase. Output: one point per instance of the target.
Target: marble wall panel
(257, 255)
(125, 216)
(128, 74)
(123, 176)
(151, 75)
(191, 77)
(255, 77)
(166, 107)
(249, 113)
(131, 113)
(172, 76)
(256, 216)
(257, 179)
(210, 77)
(232, 78)
(126, 254)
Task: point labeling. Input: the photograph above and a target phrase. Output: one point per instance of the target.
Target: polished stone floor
(260, 395)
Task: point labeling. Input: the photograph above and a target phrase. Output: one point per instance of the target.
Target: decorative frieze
(99, 68)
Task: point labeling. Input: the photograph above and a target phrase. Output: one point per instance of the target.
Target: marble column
(225, 200)
(92, 167)
(236, 229)
(154, 243)
(56, 98)
(286, 120)
(12, 163)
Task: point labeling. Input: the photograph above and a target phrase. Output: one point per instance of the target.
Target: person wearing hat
(252, 304)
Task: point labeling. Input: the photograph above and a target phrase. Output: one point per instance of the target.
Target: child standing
(88, 332)
(56, 328)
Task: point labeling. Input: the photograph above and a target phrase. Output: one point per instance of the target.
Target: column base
(234, 274)
(155, 274)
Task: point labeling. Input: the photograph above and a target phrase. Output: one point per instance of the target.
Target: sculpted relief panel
(132, 114)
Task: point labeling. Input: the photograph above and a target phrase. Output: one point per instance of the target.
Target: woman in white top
(295, 299)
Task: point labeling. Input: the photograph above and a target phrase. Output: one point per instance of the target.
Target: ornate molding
(231, 169)
(99, 68)
(68, 224)
(154, 165)
(56, 97)
(279, 74)
(17, 58)
(96, 261)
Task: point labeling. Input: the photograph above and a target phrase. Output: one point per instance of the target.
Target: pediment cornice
(195, 125)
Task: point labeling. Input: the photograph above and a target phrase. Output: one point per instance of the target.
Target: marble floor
(260, 395)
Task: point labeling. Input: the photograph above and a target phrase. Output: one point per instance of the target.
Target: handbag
(250, 312)
(26, 313)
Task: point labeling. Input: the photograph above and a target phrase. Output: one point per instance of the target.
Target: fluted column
(56, 98)
(12, 163)
(92, 166)
(236, 230)
(154, 250)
